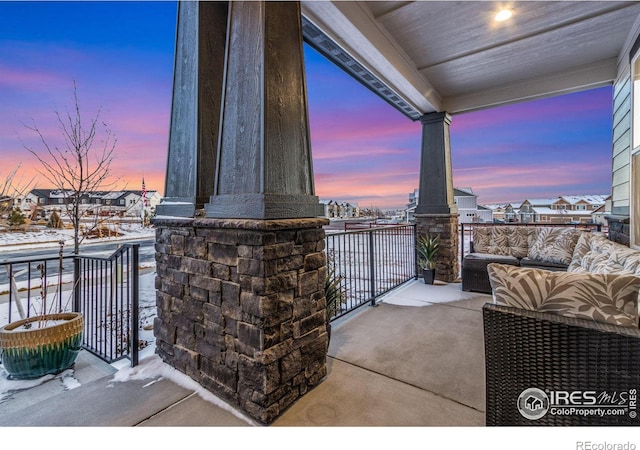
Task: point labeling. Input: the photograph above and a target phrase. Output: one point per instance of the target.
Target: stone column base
(445, 226)
(619, 229)
(241, 307)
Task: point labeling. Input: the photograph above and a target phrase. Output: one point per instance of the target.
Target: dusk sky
(120, 54)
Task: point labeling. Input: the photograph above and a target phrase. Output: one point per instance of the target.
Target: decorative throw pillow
(481, 238)
(499, 241)
(521, 238)
(583, 249)
(608, 298)
(554, 245)
(492, 240)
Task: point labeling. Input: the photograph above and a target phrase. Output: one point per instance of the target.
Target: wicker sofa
(568, 338)
(526, 349)
(544, 247)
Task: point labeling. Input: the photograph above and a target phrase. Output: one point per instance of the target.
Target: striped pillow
(608, 298)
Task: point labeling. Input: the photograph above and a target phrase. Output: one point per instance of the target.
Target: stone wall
(445, 226)
(619, 229)
(241, 307)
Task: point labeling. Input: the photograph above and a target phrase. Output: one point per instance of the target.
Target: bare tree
(81, 164)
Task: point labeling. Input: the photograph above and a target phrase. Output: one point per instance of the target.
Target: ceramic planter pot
(29, 353)
(428, 275)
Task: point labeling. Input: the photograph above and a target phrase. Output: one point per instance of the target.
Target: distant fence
(104, 290)
(371, 262)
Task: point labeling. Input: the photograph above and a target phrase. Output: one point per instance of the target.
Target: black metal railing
(466, 230)
(370, 262)
(104, 290)
(107, 294)
(36, 286)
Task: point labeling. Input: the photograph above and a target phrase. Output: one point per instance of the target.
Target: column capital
(435, 117)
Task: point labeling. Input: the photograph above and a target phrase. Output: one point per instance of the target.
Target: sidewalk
(389, 365)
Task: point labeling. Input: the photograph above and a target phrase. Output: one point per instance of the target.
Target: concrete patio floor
(415, 359)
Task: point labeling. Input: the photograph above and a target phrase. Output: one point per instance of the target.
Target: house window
(581, 207)
(122, 201)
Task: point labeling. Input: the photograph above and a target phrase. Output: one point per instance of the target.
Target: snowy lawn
(42, 237)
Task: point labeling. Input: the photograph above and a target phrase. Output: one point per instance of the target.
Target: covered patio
(240, 245)
(414, 360)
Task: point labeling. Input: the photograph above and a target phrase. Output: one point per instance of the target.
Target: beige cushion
(583, 251)
(521, 239)
(608, 298)
(504, 240)
(555, 245)
(493, 240)
(595, 253)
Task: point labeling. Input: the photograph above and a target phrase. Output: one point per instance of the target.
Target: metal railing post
(461, 242)
(415, 251)
(372, 269)
(76, 285)
(135, 313)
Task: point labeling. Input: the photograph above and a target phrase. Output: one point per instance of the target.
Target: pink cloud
(27, 80)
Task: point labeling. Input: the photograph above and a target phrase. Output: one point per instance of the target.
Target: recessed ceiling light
(503, 15)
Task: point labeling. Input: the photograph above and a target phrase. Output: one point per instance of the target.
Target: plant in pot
(333, 292)
(47, 343)
(427, 247)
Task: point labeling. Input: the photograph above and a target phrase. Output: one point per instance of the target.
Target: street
(102, 249)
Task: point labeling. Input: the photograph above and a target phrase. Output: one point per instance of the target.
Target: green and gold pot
(28, 353)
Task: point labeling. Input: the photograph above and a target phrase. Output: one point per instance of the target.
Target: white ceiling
(453, 56)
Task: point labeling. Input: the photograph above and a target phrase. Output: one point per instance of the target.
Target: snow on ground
(42, 237)
(150, 365)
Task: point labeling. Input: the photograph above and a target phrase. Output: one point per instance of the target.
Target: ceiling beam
(351, 26)
(602, 73)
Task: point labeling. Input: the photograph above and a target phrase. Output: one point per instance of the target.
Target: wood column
(263, 166)
(195, 111)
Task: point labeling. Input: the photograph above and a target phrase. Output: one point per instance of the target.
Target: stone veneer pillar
(241, 307)
(619, 229)
(445, 226)
(436, 212)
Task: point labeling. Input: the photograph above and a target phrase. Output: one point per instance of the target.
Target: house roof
(435, 56)
(463, 192)
(557, 212)
(540, 201)
(591, 199)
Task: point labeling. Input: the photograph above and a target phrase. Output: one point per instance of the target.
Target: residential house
(465, 199)
(564, 209)
(105, 203)
(503, 212)
(600, 214)
(340, 210)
